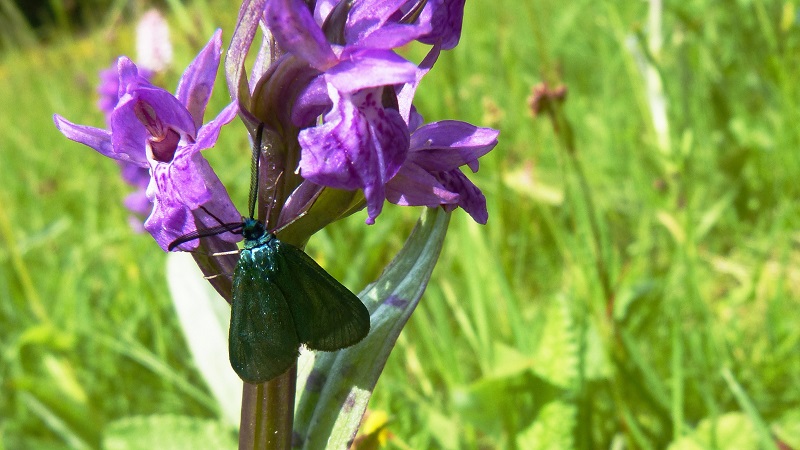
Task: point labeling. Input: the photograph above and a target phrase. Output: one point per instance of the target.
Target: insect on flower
(281, 298)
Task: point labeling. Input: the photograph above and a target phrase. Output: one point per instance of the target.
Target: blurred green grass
(516, 344)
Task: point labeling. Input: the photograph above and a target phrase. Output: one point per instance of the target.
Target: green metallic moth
(281, 299)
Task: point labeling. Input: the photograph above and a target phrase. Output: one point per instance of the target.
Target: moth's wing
(262, 342)
(327, 315)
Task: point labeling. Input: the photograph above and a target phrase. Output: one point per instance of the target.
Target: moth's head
(253, 229)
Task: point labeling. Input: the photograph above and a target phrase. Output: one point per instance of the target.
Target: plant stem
(268, 413)
(563, 130)
(267, 418)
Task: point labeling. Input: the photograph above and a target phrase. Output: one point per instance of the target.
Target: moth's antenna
(254, 170)
(213, 216)
(234, 227)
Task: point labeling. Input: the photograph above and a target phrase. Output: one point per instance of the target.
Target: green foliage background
(641, 294)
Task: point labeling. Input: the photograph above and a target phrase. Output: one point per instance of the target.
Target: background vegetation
(637, 287)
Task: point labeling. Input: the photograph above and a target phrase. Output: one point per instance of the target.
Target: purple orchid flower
(431, 176)
(361, 143)
(153, 129)
(132, 174)
(364, 93)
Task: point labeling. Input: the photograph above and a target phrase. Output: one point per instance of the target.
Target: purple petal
(469, 196)
(299, 202)
(179, 188)
(415, 119)
(415, 186)
(208, 134)
(369, 16)
(220, 204)
(405, 96)
(108, 90)
(388, 130)
(109, 87)
(169, 109)
(223, 209)
(180, 181)
(168, 221)
(367, 68)
(446, 145)
(331, 153)
(393, 35)
(98, 139)
(288, 78)
(369, 26)
(447, 17)
(197, 82)
(138, 203)
(360, 145)
(249, 16)
(311, 103)
(129, 135)
(296, 31)
(129, 77)
(134, 174)
(375, 195)
(323, 8)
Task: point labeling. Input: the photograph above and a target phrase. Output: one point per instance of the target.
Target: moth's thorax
(255, 234)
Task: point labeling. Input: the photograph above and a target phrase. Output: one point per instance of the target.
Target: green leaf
(168, 432)
(552, 428)
(730, 431)
(509, 403)
(557, 352)
(57, 421)
(334, 388)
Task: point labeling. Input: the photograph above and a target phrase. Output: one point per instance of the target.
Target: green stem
(564, 133)
(268, 413)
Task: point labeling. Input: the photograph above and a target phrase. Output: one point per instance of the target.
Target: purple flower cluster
(329, 82)
(164, 133)
(370, 136)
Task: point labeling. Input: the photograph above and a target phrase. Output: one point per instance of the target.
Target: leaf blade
(335, 392)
